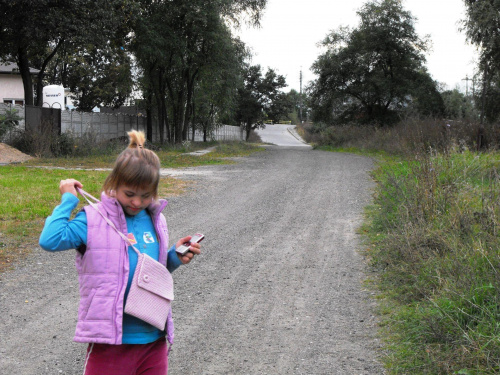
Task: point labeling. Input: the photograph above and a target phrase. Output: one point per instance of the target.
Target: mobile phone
(184, 248)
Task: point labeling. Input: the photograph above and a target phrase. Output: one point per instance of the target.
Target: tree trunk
(193, 120)
(160, 116)
(190, 79)
(24, 69)
(149, 124)
(483, 94)
(149, 118)
(167, 122)
(248, 130)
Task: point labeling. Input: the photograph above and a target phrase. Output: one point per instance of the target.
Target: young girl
(118, 343)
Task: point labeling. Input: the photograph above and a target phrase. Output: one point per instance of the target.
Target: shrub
(8, 121)
(408, 137)
(33, 143)
(62, 145)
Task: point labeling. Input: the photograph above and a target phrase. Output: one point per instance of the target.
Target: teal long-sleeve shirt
(61, 233)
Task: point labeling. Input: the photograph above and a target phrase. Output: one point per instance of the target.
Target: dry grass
(405, 138)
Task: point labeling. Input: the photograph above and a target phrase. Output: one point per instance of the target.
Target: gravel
(278, 288)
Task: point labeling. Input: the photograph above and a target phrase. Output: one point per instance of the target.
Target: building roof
(12, 68)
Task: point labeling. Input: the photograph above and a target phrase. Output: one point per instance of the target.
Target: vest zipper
(123, 257)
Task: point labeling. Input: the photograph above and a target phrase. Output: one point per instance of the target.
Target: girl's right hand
(69, 186)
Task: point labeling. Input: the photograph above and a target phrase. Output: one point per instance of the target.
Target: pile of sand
(11, 155)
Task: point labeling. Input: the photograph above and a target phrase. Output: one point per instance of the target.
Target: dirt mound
(11, 155)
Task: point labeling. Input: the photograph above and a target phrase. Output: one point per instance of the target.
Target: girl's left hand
(194, 249)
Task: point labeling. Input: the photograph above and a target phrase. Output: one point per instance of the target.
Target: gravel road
(277, 290)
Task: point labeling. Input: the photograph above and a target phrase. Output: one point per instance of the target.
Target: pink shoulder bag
(152, 288)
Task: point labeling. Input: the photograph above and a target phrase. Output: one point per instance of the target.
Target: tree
(174, 43)
(482, 26)
(298, 105)
(276, 106)
(215, 91)
(95, 76)
(371, 72)
(33, 31)
(457, 105)
(259, 96)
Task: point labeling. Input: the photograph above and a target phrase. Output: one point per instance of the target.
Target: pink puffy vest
(103, 272)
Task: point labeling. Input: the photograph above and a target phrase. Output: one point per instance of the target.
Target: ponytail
(136, 139)
(136, 166)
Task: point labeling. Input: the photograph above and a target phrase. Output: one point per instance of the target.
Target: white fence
(113, 125)
(222, 133)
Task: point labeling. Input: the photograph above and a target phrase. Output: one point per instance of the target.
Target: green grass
(31, 191)
(433, 232)
(170, 156)
(28, 197)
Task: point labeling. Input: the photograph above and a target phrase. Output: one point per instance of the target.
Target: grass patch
(434, 235)
(170, 156)
(28, 197)
(30, 192)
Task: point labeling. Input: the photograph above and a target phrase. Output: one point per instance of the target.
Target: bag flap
(154, 277)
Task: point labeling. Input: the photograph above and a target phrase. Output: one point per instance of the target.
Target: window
(13, 101)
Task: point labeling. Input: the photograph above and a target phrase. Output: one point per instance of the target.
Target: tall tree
(215, 92)
(482, 26)
(32, 31)
(176, 41)
(102, 78)
(370, 72)
(95, 76)
(258, 97)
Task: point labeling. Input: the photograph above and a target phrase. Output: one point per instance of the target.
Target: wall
(112, 125)
(11, 87)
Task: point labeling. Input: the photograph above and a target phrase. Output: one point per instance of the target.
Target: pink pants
(127, 359)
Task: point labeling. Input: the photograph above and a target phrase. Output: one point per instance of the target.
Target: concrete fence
(106, 126)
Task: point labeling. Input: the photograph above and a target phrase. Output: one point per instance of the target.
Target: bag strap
(88, 197)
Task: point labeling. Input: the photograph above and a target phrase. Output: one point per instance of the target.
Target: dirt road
(277, 290)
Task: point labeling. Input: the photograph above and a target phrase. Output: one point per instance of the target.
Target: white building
(11, 84)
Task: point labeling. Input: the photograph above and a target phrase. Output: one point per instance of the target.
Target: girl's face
(133, 200)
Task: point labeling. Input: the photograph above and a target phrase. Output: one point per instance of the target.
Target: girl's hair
(135, 167)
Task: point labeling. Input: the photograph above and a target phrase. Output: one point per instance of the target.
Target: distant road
(281, 135)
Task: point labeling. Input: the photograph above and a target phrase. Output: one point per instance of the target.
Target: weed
(440, 256)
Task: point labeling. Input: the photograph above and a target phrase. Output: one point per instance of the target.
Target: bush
(33, 143)
(45, 144)
(406, 138)
(8, 121)
(62, 145)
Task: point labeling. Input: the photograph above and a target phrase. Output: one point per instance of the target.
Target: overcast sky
(290, 30)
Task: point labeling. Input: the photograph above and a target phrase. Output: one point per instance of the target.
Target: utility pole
(467, 79)
(300, 97)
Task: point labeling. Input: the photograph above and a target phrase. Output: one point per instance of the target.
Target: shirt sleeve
(61, 233)
(173, 261)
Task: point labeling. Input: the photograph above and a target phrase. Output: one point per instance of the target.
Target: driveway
(281, 135)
